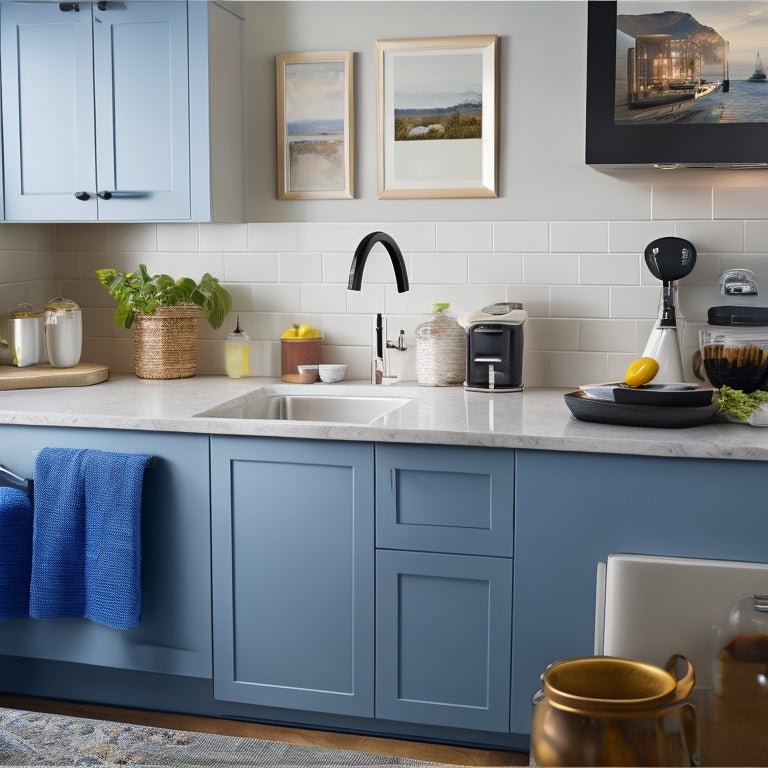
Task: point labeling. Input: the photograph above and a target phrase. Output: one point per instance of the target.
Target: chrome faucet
(738, 282)
(364, 247)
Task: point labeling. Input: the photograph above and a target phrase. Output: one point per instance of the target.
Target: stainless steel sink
(347, 409)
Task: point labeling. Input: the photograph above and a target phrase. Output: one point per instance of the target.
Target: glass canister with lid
(441, 349)
(63, 332)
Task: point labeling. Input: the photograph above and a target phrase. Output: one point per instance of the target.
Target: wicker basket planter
(165, 344)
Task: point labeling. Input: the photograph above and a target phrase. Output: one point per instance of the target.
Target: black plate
(682, 398)
(607, 412)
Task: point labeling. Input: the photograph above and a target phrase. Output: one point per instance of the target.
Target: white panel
(658, 606)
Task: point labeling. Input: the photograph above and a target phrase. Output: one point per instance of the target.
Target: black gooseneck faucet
(361, 255)
(355, 284)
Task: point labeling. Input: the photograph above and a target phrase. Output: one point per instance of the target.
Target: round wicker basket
(165, 344)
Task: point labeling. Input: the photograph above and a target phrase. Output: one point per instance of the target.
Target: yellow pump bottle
(237, 354)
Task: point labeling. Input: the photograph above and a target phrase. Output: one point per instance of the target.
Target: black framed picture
(677, 84)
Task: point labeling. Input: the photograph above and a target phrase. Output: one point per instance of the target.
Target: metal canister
(25, 325)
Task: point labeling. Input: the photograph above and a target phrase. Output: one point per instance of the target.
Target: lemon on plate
(641, 371)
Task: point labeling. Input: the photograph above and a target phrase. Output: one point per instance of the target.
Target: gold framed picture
(315, 125)
(437, 117)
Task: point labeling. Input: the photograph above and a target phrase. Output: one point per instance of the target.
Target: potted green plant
(165, 313)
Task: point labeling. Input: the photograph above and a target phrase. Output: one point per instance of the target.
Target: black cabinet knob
(105, 195)
(82, 196)
(69, 6)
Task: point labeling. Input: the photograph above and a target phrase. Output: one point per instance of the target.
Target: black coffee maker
(495, 348)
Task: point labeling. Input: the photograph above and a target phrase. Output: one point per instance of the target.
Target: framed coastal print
(315, 125)
(437, 117)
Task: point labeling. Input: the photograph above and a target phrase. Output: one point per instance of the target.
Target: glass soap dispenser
(236, 353)
(441, 350)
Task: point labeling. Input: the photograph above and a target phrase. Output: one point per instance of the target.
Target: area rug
(38, 739)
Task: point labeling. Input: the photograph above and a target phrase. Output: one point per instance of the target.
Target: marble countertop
(534, 419)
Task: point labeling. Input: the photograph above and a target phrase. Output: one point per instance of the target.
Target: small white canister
(63, 332)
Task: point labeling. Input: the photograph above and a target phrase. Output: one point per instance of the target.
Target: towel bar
(8, 478)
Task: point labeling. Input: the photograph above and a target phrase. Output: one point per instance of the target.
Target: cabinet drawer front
(445, 499)
(443, 639)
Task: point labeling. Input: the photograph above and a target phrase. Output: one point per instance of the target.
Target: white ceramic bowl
(332, 373)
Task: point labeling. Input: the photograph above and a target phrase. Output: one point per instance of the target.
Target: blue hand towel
(15, 552)
(86, 551)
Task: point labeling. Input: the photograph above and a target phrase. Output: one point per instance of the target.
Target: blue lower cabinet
(293, 573)
(174, 633)
(572, 510)
(443, 639)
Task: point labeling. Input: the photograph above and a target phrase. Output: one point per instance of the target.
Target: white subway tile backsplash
(567, 301)
(590, 298)
(277, 298)
(609, 269)
(550, 268)
(579, 236)
(739, 202)
(551, 334)
(756, 236)
(223, 237)
(301, 268)
(635, 303)
(634, 236)
(671, 202)
(570, 369)
(322, 298)
(467, 236)
(607, 335)
(524, 236)
(497, 268)
(271, 238)
(132, 237)
(712, 236)
(178, 237)
(251, 268)
(446, 267)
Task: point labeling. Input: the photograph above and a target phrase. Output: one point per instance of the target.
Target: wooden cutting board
(34, 376)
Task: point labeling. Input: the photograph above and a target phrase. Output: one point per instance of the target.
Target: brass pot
(607, 711)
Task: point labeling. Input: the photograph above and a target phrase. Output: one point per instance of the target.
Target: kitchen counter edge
(536, 419)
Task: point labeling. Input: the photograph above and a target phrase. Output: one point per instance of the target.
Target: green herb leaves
(140, 292)
(739, 404)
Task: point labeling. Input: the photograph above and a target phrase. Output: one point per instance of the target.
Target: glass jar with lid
(441, 349)
(63, 332)
(739, 643)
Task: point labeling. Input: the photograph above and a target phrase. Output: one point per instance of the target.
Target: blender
(669, 259)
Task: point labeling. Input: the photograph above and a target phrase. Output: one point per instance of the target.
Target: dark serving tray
(683, 398)
(593, 409)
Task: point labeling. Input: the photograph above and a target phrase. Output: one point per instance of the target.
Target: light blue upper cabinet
(108, 111)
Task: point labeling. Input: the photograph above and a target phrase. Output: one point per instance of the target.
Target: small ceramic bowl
(308, 374)
(332, 373)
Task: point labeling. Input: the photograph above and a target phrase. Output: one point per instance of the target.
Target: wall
(563, 238)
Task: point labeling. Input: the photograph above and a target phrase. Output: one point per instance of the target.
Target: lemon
(306, 331)
(641, 371)
(291, 333)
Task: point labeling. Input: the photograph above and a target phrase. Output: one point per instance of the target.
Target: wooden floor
(438, 753)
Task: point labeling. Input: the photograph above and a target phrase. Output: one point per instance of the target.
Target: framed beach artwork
(677, 83)
(315, 125)
(437, 117)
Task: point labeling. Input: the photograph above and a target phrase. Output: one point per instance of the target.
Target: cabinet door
(443, 639)
(142, 113)
(573, 510)
(174, 635)
(293, 573)
(47, 104)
